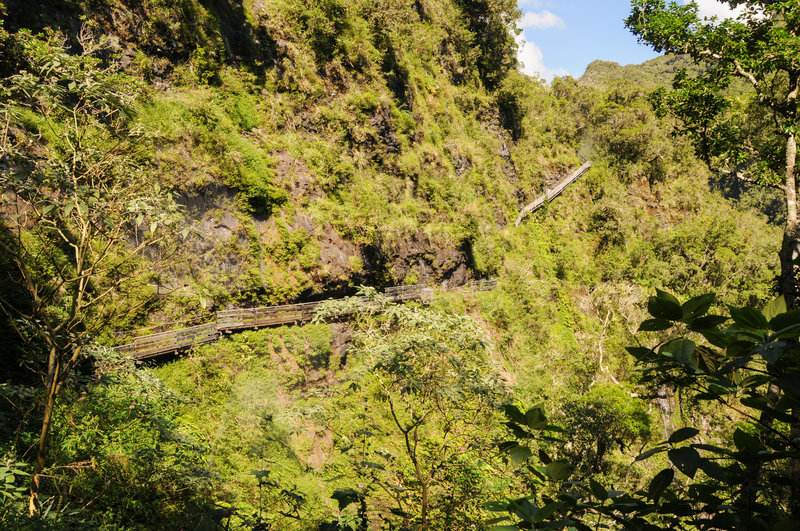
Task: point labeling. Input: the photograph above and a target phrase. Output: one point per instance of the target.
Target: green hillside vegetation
(650, 74)
(297, 150)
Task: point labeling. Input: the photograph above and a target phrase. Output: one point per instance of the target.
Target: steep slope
(321, 146)
(318, 145)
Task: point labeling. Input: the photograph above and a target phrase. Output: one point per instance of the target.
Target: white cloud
(712, 8)
(536, 4)
(541, 20)
(532, 61)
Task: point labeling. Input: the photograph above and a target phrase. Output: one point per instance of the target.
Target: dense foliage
(753, 137)
(742, 478)
(222, 154)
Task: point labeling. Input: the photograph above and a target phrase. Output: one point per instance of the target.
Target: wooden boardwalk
(227, 321)
(549, 195)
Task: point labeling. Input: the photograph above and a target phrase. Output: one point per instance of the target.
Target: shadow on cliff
(174, 33)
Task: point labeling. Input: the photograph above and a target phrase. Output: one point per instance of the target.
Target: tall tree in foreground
(755, 137)
(756, 140)
(77, 209)
(419, 441)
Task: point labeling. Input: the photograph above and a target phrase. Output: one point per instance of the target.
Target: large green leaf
(654, 325)
(680, 349)
(711, 448)
(697, 306)
(535, 418)
(713, 470)
(745, 442)
(543, 457)
(664, 306)
(558, 470)
(642, 354)
(666, 296)
(683, 434)
(651, 452)
(598, 490)
(547, 511)
(749, 318)
(707, 321)
(519, 454)
(774, 308)
(345, 497)
(772, 352)
(523, 508)
(513, 413)
(715, 337)
(686, 459)
(754, 381)
(660, 483)
(785, 320)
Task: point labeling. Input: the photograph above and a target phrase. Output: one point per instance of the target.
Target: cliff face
(316, 146)
(319, 145)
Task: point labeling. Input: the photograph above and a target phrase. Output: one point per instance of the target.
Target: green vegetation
(418, 401)
(752, 135)
(213, 155)
(71, 211)
(748, 369)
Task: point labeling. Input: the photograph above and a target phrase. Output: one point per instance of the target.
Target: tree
(78, 210)
(709, 484)
(424, 397)
(491, 23)
(760, 47)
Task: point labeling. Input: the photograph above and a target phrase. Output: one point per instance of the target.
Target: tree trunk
(790, 249)
(790, 252)
(52, 386)
(424, 523)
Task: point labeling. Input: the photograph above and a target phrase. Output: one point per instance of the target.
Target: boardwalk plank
(156, 344)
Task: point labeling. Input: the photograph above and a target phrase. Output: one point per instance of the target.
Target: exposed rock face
(340, 257)
(382, 122)
(328, 132)
(419, 259)
(214, 231)
(294, 175)
(461, 164)
(217, 248)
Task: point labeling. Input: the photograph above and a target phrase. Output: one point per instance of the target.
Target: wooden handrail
(549, 195)
(226, 321)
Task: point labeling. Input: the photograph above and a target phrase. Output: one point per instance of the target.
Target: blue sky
(563, 36)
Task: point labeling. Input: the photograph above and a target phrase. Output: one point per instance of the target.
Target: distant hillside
(649, 75)
(653, 73)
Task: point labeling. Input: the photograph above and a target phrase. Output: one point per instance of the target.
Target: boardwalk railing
(151, 345)
(549, 195)
(228, 320)
(407, 293)
(171, 341)
(480, 285)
